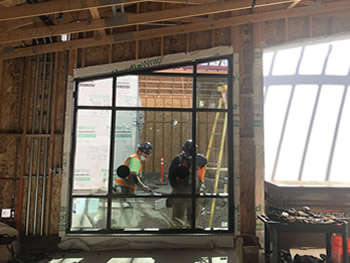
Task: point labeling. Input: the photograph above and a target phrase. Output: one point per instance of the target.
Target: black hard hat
(188, 148)
(146, 148)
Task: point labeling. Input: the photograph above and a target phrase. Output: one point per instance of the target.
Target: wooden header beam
(132, 19)
(182, 29)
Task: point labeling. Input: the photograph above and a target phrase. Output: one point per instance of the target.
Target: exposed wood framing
(27, 88)
(51, 7)
(51, 144)
(294, 3)
(159, 32)
(8, 3)
(95, 14)
(71, 6)
(286, 29)
(7, 26)
(137, 29)
(246, 140)
(149, 17)
(310, 27)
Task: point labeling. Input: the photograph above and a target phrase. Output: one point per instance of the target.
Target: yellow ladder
(217, 168)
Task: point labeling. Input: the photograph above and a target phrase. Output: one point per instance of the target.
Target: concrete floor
(148, 256)
(43, 250)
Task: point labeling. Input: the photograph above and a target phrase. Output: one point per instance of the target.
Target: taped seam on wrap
(111, 2)
(114, 21)
(123, 37)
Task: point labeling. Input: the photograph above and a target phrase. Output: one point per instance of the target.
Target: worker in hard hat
(127, 184)
(180, 178)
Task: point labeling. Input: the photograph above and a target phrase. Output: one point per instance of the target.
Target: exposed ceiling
(38, 25)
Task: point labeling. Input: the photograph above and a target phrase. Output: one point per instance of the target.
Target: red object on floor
(337, 249)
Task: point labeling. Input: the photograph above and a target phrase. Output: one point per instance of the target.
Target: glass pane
(292, 55)
(341, 164)
(339, 59)
(317, 157)
(212, 140)
(154, 91)
(213, 213)
(95, 92)
(141, 213)
(297, 128)
(127, 92)
(276, 102)
(268, 59)
(211, 92)
(213, 67)
(313, 59)
(166, 91)
(181, 213)
(165, 131)
(183, 70)
(89, 213)
(91, 163)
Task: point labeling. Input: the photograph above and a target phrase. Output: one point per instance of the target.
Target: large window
(115, 114)
(307, 112)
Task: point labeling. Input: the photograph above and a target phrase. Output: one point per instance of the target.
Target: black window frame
(194, 110)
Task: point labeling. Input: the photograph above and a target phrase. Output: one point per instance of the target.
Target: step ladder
(219, 117)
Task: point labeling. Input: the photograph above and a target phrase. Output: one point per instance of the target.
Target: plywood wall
(17, 93)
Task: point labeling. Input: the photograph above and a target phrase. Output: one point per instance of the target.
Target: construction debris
(304, 215)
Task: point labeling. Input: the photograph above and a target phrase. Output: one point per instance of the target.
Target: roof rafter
(132, 19)
(96, 15)
(63, 6)
(182, 29)
(294, 3)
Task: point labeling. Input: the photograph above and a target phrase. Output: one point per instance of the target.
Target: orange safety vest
(127, 181)
(200, 171)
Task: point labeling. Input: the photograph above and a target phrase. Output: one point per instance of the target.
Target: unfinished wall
(20, 154)
(32, 114)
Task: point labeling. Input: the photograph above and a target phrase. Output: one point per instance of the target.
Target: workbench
(274, 228)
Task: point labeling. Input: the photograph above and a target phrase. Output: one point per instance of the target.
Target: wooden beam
(8, 3)
(294, 3)
(10, 52)
(163, 15)
(95, 14)
(51, 143)
(190, 2)
(52, 7)
(64, 6)
(7, 26)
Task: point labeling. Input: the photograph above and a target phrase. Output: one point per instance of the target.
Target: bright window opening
(307, 112)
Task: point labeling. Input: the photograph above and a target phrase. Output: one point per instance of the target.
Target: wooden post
(247, 144)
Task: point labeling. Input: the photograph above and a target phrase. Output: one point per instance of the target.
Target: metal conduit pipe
(39, 145)
(32, 146)
(46, 145)
(64, 106)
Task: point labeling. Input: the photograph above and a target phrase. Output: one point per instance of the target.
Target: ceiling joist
(182, 29)
(132, 19)
(63, 6)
